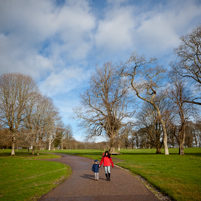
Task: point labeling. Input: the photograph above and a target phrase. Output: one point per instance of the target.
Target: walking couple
(106, 161)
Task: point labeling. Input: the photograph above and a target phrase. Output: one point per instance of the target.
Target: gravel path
(81, 186)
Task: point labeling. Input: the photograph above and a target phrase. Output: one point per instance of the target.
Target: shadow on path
(90, 176)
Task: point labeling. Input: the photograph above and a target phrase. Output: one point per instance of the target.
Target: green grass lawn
(177, 176)
(24, 177)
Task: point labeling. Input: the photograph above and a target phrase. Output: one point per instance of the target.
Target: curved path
(81, 186)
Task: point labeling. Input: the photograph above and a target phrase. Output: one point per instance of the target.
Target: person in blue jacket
(95, 169)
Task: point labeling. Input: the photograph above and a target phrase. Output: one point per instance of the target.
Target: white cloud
(115, 31)
(28, 20)
(159, 31)
(152, 29)
(25, 27)
(27, 61)
(156, 35)
(64, 81)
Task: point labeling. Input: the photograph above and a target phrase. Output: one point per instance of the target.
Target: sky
(60, 42)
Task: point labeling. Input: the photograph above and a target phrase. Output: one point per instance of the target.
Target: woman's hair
(108, 154)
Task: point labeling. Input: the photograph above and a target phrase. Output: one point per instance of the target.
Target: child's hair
(108, 154)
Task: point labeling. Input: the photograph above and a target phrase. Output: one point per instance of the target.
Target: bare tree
(30, 111)
(43, 121)
(145, 78)
(67, 137)
(197, 133)
(181, 110)
(61, 135)
(147, 118)
(133, 138)
(125, 133)
(51, 137)
(5, 138)
(191, 134)
(142, 140)
(188, 64)
(17, 91)
(105, 104)
(57, 125)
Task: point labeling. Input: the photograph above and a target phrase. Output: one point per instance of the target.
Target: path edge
(60, 181)
(156, 191)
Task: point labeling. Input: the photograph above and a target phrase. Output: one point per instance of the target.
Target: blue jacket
(95, 168)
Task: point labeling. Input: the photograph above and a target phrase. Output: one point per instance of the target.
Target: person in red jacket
(107, 161)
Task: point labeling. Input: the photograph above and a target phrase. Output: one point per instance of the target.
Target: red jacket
(106, 161)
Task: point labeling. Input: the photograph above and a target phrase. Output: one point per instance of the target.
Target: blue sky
(60, 42)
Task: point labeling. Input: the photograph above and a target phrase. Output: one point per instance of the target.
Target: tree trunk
(181, 142)
(33, 150)
(158, 150)
(13, 146)
(38, 151)
(137, 142)
(49, 145)
(164, 133)
(119, 148)
(196, 141)
(165, 139)
(62, 145)
(181, 149)
(112, 143)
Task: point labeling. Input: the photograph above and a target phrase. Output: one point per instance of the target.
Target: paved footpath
(81, 186)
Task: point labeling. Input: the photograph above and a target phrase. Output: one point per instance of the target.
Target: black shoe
(108, 176)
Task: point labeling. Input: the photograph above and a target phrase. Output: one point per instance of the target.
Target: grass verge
(176, 176)
(25, 177)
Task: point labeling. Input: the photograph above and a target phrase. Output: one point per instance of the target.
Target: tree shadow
(146, 152)
(155, 154)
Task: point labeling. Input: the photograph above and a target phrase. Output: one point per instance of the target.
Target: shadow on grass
(16, 154)
(99, 154)
(80, 154)
(154, 154)
(22, 154)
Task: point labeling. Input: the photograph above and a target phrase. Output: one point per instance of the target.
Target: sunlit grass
(24, 177)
